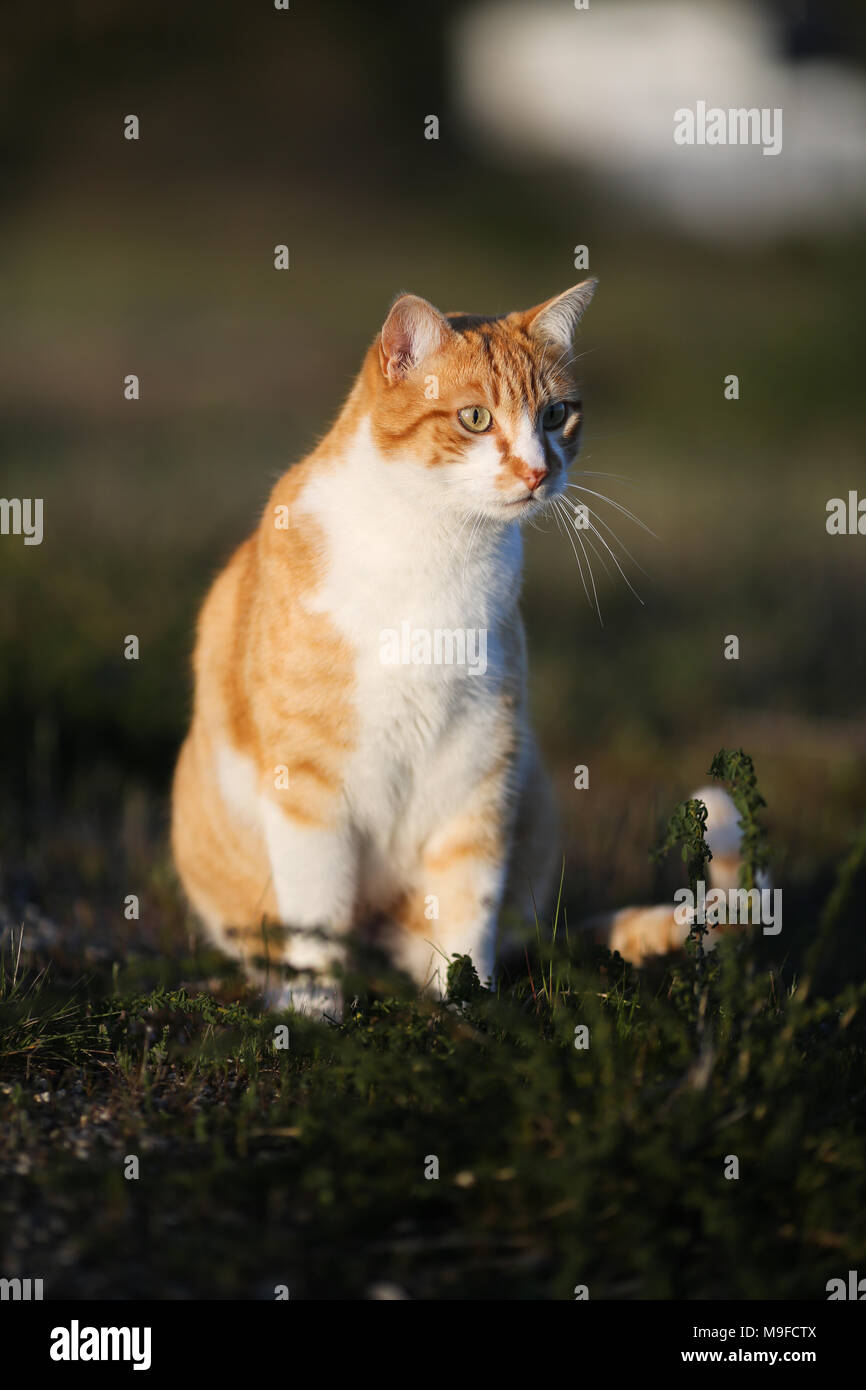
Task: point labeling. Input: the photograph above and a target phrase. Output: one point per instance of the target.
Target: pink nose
(534, 476)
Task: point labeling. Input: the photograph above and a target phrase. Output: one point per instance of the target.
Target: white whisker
(557, 502)
(596, 553)
(618, 565)
(620, 508)
(472, 535)
(576, 529)
(620, 542)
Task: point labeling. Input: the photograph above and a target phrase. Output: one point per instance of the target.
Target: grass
(559, 1164)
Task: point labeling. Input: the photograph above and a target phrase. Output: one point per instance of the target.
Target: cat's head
(489, 406)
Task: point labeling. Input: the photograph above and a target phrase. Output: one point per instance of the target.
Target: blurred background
(307, 127)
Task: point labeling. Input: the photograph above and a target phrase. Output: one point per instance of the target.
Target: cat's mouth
(535, 499)
(538, 501)
(517, 509)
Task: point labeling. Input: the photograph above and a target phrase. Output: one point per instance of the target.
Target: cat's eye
(476, 418)
(554, 416)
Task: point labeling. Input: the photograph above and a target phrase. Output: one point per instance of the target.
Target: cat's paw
(317, 1001)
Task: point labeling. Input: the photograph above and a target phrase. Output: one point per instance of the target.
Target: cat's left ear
(556, 320)
(413, 331)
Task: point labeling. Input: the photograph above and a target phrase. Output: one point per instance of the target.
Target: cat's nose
(535, 476)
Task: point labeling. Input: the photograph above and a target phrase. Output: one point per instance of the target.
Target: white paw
(315, 1000)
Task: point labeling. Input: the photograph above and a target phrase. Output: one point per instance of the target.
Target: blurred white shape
(599, 88)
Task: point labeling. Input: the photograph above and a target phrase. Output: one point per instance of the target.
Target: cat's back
(255, 594)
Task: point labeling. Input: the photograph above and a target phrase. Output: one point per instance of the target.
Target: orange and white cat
(352, 758)
(360, 753)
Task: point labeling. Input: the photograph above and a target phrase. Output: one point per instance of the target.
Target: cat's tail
(639, 932)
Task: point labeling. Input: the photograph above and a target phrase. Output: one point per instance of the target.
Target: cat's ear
(412, 332)
(556, 320)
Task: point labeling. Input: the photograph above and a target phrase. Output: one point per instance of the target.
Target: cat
(637, 933)
(326, 781)
(360, 755)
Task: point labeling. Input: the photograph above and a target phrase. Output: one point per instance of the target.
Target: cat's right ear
(412, 332)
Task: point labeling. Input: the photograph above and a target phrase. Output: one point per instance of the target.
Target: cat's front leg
(454, 905)
(314, 874)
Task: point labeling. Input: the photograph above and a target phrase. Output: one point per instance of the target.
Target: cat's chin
(519, 509)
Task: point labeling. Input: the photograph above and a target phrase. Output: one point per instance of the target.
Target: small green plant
(463, 983)
(687, 828)
(737, 769)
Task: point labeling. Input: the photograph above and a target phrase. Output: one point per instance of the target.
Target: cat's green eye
(554, 416)
(476, 418)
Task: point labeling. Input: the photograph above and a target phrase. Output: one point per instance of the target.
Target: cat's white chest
(425, 629)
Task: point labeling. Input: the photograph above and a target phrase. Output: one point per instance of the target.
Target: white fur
(314, 883)
(426, 735)
(527, 445)
(724, 837)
